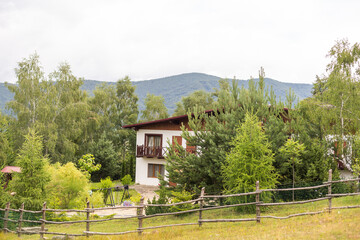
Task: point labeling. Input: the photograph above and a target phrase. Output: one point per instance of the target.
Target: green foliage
(135, 199)
(114, 147)
(356, 155)
(292, 151)
(150, 210)
(198, 98)
(68, 188)
(182, 196)
(164, 198)
(126, 180)
(96, 199)
(7, 156)
(4, 196)
(167, 196)
(55, 107)
(155, 108)
(106, 183)
(309, 126)
(337, 93)
(126, 101)
(250, 160)
(213, 134)
(106, 156)
(30, 184)
(87, 165)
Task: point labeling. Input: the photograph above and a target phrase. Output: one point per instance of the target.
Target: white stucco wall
(346, 174)
(141, 175)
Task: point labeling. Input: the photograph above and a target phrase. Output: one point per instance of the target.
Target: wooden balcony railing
(150, 152)
(158, 152)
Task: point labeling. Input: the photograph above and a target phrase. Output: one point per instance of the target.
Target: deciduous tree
(154, 108)
(198, 98)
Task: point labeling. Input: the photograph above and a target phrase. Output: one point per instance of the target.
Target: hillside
(174, 87)
(5, 96)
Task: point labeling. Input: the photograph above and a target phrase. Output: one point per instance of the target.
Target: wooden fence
(201, 203)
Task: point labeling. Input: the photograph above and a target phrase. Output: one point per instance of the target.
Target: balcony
(157, 152)
(150, 152)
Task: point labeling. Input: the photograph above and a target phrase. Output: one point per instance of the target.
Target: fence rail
(200, 201)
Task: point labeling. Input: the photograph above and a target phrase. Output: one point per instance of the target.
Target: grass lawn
(340, 224)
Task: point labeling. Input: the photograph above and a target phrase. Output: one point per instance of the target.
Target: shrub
(135, 199)
(175, 197)
(154, 210)
(96, 199)
(126, 180)
(106, 183)
(182, 196)
(68, 188)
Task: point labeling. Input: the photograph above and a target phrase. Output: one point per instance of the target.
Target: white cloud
(106, 40)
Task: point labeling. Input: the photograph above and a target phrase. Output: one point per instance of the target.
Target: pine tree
(250, 160)
(105, 154)
(292, 151)
(212, 134)
(30, 184)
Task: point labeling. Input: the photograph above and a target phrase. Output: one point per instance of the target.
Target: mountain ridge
(172, 88)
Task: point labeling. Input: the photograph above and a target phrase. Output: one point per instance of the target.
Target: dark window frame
(147, 135)
(161, 170)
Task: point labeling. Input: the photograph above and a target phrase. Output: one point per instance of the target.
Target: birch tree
(339, 94)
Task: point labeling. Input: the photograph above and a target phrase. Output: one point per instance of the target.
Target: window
(176, 139)
(190, 149)
(155, 169)
(153, 140)
(153, 144)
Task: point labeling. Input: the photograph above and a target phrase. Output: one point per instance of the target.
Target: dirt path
(148, 192)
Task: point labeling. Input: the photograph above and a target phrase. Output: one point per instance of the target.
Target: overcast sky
(106, 40)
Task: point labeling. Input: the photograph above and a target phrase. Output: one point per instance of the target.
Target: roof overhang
(175, 120)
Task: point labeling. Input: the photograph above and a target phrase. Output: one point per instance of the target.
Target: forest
(56, 131)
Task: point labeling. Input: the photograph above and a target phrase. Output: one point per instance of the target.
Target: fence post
(201, 205)
(87, 218)
(140, 213)
(7, 209)
(42, 230)
(20, 219)
(257, 202)
(329, 188)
